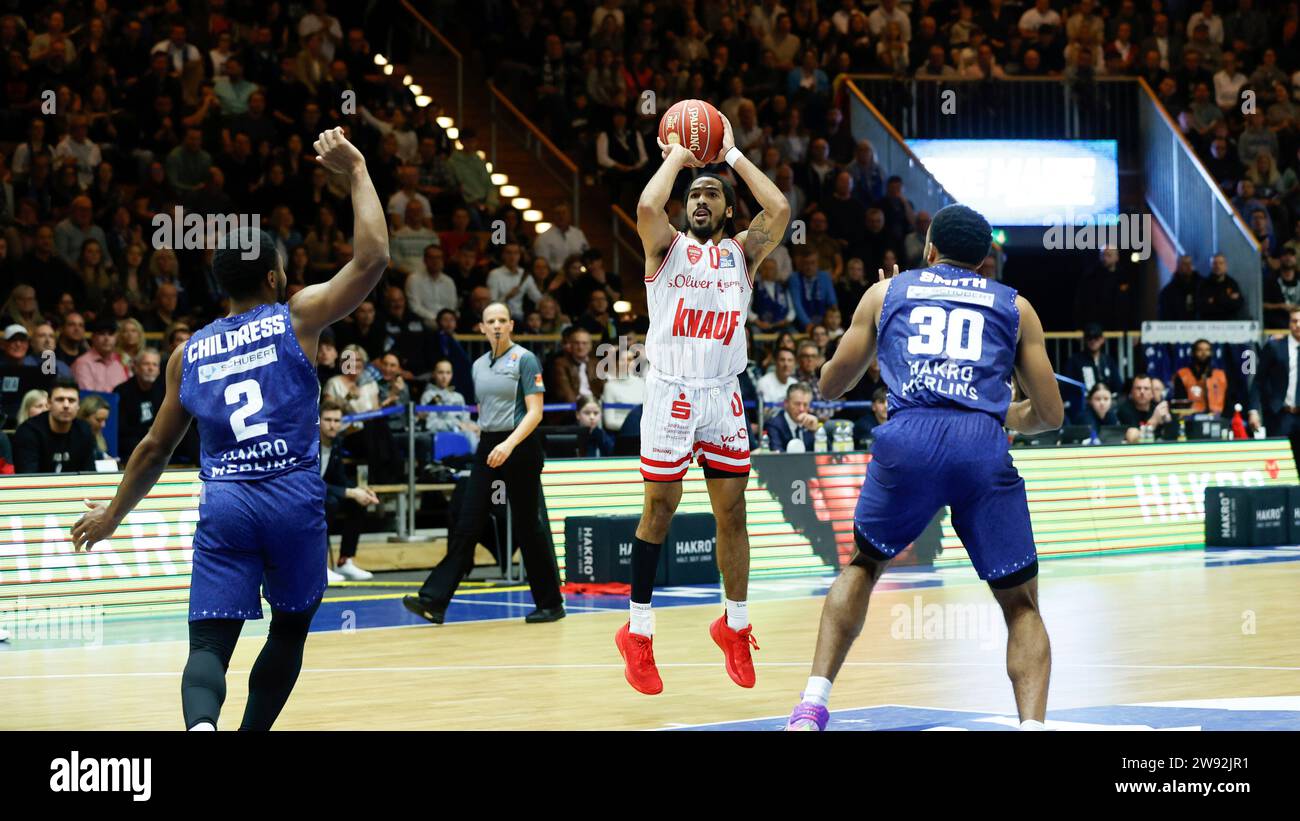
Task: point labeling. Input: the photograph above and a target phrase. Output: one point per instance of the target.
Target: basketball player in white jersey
(698, 287)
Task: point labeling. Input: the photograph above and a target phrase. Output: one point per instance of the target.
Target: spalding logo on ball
(695, 124)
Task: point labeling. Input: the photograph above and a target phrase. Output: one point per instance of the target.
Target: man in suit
(781, 429)
(345, 504)
(1273, 395)
(1089, 365)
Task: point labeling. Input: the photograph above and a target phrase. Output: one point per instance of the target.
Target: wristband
(733, 155)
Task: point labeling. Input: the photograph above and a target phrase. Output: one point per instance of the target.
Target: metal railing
(1041, 108)
(531, 138)
(1190, 205)
(430, 38)
(867, 122)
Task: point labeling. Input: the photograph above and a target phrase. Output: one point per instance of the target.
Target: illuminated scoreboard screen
(1083, 501)
(1028, 182)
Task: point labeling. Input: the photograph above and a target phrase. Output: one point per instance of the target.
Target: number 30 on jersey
(958, 334)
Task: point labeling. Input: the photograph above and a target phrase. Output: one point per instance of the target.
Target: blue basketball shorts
(264, 533)
(926, 458)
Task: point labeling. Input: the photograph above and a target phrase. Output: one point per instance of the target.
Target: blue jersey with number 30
(254, 396)
(947, 338)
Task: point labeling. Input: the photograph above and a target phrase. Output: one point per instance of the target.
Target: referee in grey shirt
(508, 383)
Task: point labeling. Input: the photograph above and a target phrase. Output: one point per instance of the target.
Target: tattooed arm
(768, 227)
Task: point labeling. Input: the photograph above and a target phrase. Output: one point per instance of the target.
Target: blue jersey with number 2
(947, 338)
(254, 396)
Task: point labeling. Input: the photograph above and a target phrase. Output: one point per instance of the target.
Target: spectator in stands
(46, 271)
(772, 308)
(79, 149)
(139, 399)
(429, 290)
(101, 368)
(361, 329)
(1091, 364)
(864, 429)
(1273, 393)
(34, 403)
(1220, 294)
(353, 387)
(626, 386)
(811, 290)
(16, 348)
(621, 155)
(1281, 290)
(174, 336)
(55, 441)
(22, 308)
(794, 423)
(404, 333)
(511, 284)
(1141, 410)
(163, 312)
(594, 278)
(599, 442)
(551, 319)
(72, 339)
(345, 503)
(573, 372)
(94, 411)
(476, 187)
(43, 340)
(393, 391)
(598, 320)
(440, 391)
(471, 314)
(1098, 410)
(1180, 299)
(188, 163)
(562, 240)
(1202, 384)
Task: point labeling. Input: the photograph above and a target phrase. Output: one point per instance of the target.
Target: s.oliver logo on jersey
(681, 408)
(693, 253)
(704, 324)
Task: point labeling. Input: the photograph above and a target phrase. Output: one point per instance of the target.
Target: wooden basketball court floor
(1214, 629)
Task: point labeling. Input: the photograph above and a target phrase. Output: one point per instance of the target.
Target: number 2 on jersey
(941, 331)
(238, 419)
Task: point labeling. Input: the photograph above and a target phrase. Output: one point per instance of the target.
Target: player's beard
(708, 231)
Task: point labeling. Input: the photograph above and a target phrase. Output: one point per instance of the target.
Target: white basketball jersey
(698, 301)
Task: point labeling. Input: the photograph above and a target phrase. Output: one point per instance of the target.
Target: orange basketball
(696, 125)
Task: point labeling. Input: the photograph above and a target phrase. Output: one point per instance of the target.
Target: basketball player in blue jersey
(949, 342)
(249, 379)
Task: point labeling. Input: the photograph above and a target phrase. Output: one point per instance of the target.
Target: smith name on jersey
(253, 394)
(697, 301)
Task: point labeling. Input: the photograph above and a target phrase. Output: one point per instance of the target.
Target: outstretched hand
(883, 275)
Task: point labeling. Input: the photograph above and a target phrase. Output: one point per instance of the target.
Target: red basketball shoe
(639, 657)
(735, 646)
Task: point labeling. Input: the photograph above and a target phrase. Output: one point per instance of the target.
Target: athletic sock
(817, 691)
(737, 614)
(1031, 724)
(203, 726)
(643, 619)
(645, 565)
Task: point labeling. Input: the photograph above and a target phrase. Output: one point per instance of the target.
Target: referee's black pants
(521, 474)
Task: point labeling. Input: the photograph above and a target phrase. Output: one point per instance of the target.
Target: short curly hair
(961, 234)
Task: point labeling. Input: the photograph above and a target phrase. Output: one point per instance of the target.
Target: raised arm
(318, 306)
(1042, 410)
(651, 220)
(857, 346)
(767, 228)
(147, 462)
